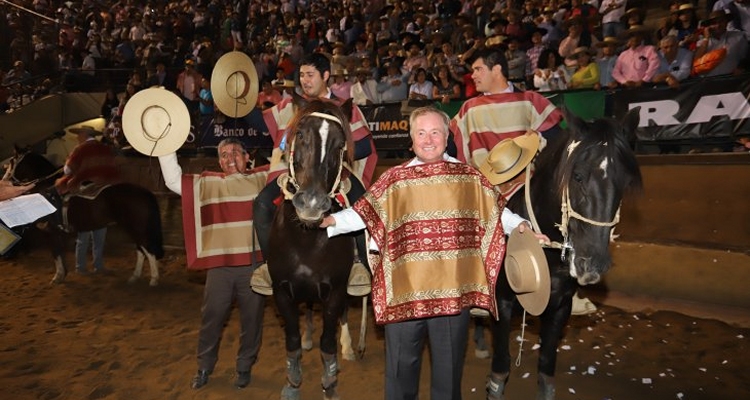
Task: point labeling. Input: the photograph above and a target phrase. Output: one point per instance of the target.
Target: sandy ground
(98, 337)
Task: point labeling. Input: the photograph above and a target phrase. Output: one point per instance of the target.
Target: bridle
(567, 213)
(11, 174)
(291, 178)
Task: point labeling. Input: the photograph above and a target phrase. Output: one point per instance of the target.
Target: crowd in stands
(381, 50)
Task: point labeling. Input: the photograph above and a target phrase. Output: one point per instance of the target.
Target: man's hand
(543, 239)
(9, 192)
(327, 221)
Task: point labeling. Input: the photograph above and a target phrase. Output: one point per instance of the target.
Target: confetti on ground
(525, 375)
(646, 381)
(536, 346)
(591, 370)
(724, 362)
(701, 369)
(572, 391)
(680, 395)
(740, 337)
(565, 347)
(573, 368)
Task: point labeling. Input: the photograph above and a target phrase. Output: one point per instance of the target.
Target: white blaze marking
(323, 139)
(603, 166)
(572, 146)
(303, 270)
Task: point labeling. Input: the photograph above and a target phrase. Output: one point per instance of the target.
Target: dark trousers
(225, 285)
(264, 211)
(404, 343)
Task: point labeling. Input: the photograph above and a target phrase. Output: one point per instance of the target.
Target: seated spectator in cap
(516, 62)
(341, 85)
(364, 91)
(415, 59)
(606, 61)
(394, 85)
(675, 62)
(717, 36)
(740, 14)
(551, 73)
(638, 63)
(421, 89)
(577, 37)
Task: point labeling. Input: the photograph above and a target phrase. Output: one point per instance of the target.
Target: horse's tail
(155, 240)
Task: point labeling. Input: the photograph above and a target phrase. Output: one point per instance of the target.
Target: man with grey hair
(675, 62)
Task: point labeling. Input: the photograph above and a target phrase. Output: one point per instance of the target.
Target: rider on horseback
(315, 69)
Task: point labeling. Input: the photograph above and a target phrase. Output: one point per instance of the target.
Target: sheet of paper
(24, 209)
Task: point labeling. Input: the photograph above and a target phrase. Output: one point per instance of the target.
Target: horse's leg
(57, 247)
(553, 321)
(290, 313)
(347, 352)
(153, 264)
(333, 310)
(138, 266)
(501, 352)
(307, 342)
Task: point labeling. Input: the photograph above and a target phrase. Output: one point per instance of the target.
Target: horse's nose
(311, 206)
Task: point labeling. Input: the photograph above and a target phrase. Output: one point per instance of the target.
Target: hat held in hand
(155, 122)
(234, 84)
(509, 157)
(527, 271)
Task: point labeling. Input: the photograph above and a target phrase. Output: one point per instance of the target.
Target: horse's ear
(298, 100)
(575, 123)
(630, 123)
(346, 108)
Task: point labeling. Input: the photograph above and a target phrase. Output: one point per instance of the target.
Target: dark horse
(132, 207)
(305, 265)
(579, 181)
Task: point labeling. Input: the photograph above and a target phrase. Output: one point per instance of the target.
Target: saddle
(86, 190)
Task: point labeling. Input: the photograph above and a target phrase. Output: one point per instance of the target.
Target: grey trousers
(404, 344)
(224, 286)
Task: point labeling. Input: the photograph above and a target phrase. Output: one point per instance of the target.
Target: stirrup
(260, 281)
(479, 312)
(359, 281)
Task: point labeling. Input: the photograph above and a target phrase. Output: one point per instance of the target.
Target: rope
(520, 345)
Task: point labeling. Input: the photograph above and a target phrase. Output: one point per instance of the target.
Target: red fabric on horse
(217, 213)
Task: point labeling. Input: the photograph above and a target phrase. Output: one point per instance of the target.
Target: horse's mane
(325, 107)
(600, 135)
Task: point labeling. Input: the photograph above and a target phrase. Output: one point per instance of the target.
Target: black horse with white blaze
(579, 180)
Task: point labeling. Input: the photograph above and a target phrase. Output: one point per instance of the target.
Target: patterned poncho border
(438, 228)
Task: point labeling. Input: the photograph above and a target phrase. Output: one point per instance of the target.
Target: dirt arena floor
(98, 337)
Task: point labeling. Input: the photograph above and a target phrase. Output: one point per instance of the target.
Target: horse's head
(599, 168)
(26, 166)
(319, 142)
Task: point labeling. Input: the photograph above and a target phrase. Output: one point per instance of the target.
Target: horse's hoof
(481, 354)
(57, 279)
(349, 355)
(153, 282)
(289, 393)
(133, 279)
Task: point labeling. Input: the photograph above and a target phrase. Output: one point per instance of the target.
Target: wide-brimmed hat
(234, 84)
(582, 49)
(716, 15)
(685, 8)
(340, 72)
(365, 71)
(509, 157)
(85, 129)
(155, 122)
(609, 40)
(635, 30)
(527, 271)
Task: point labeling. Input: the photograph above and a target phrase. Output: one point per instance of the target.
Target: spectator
(188, 86)
(90, 162)
(206, 99)
(612, 12)
(161, 77)
(717, 37)
(686, 27)
(341, 86)
(606, 61)
(554, 35)
(667, 23)
(638, 63)
(577, 37)
(394, 85)
(516, 62)
(111, 102)
(365, 90)
(268, 96)
(675, 62)
(421, 89)
(551, 74)
(445, 88)
(433, 278)
(587, 74)
(18, 74)
(533, 53)
(225, 283)
(415, 59)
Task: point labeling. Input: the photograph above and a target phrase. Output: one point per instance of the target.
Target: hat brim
(234, 84)
(529, 144)
(89, 131)
(524, 249)
(155, 122)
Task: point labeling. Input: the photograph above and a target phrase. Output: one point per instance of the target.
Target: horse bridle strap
(284, 179)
